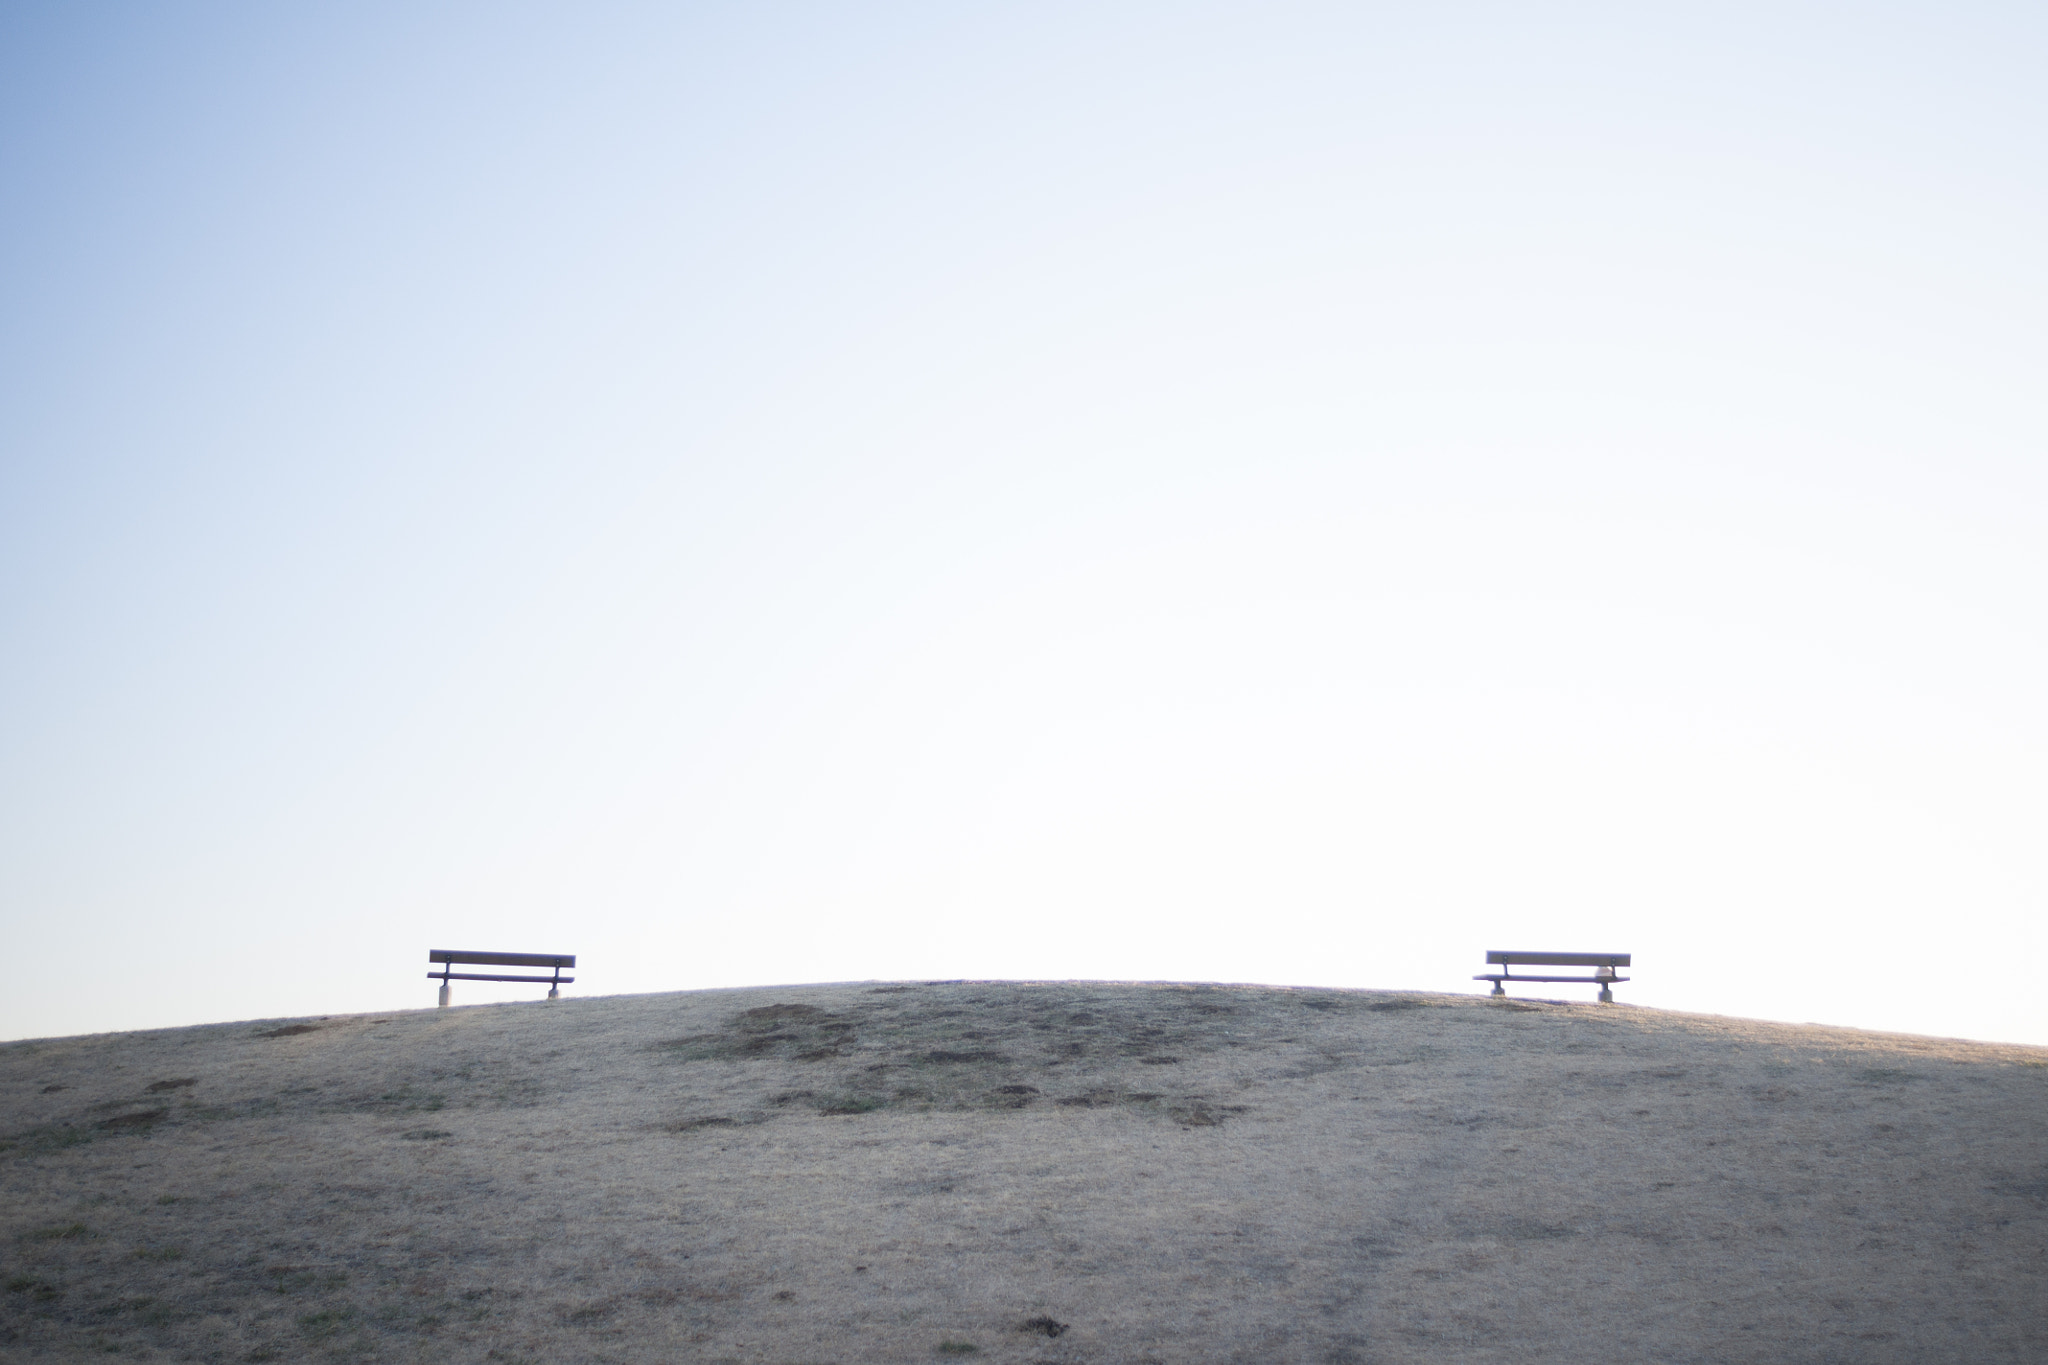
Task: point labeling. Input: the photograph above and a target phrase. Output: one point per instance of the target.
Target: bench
(1603, 965)
(449, 958)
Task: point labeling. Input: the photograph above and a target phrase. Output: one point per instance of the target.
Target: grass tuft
(42, 1291)
(326, 1322)
(692, 1125)
(59, 1232)
(54, 1137)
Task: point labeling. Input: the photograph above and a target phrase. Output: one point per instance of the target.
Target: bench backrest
(1557, 959)
(503, 959)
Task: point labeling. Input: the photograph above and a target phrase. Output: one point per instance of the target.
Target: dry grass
(1024, 1173)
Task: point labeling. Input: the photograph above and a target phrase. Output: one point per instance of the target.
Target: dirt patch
(288, 1031)
(769, 1012)
(949, 1050)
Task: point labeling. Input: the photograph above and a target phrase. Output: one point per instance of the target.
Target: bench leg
(444, 995)
(1499, 989)
(1606, 995)
(554, 994)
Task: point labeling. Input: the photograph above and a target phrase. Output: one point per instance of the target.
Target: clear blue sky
(768, 493)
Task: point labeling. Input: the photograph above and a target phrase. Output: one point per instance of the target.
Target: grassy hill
(1023, 1173)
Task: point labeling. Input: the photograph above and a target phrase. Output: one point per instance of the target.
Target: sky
(771, 493)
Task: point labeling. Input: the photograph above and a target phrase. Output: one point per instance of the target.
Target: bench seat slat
(477, 976)
(1590, 980)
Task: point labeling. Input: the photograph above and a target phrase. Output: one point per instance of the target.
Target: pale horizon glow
(1299, 494)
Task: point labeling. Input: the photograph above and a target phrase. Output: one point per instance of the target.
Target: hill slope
(1059, 1173)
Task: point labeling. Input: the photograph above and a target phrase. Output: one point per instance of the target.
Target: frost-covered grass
(1023, 1172)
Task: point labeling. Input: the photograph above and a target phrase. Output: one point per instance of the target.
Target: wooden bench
(448, 958)
(1603, 965)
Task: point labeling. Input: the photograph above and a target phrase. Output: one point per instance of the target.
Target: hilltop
(1060, 1172)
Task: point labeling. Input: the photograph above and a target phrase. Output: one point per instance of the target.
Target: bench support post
(444, 995)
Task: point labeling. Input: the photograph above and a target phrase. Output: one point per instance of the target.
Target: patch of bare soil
(1027, 1173)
